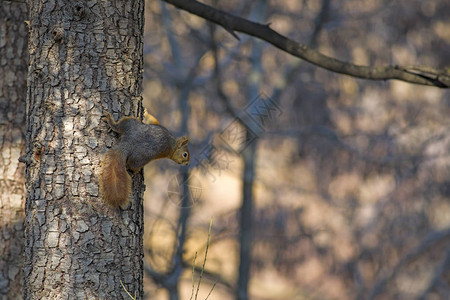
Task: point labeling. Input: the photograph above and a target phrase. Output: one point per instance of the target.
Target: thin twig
(193, 271)
(204, 260)
(127, 291)
(214, 285)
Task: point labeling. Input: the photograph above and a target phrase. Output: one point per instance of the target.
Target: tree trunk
(13, 68)
(85, 58)
(246, 221)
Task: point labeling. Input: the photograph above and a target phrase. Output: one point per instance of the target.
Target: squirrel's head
(181, 154)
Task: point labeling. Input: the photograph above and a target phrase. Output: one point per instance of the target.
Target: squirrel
(140, 143)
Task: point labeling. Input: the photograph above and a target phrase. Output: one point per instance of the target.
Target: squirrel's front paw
(107, 116)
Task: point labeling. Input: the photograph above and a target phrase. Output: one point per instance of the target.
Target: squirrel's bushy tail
(115, 182)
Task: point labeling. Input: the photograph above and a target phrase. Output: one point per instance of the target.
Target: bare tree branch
(231, 23)
(439, 270)
(429, 240)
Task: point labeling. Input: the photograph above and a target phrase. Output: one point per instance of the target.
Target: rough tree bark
(13, 68)
(85, 58)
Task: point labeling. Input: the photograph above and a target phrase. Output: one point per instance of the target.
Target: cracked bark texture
(86, 57)
(13, 68)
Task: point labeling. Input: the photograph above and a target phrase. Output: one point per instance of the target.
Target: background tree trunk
(13, 68)
(85, 58)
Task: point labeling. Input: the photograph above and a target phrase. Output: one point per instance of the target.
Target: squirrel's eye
(185, 154)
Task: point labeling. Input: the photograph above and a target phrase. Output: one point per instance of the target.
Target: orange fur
(114, 189)
(149, 118)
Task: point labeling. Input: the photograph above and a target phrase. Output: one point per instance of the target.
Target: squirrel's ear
(183, 141)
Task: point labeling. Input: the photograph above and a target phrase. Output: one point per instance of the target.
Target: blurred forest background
(346, 188)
